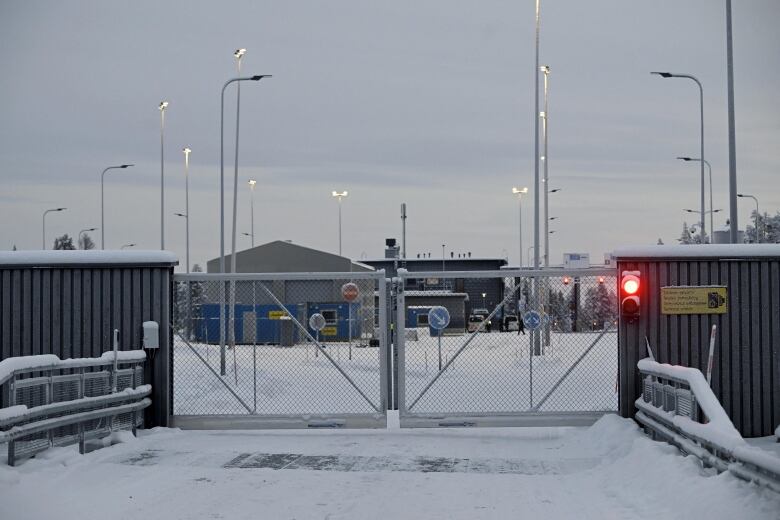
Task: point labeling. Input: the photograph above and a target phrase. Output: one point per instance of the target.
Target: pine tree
(64, 242)
(685, 236)
(86, 242)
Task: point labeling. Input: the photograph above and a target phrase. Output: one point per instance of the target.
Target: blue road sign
(532, 320)
(438, 317)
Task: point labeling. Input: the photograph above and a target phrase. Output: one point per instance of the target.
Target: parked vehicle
(477, 317)
(511, 323)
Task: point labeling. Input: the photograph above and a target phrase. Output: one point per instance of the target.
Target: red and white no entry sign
(350, 291)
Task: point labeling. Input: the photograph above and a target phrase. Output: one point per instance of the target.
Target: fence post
(400, 338)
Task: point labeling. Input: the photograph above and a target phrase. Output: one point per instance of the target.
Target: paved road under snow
(607, 471)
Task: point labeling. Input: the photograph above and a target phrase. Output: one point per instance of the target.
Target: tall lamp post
(187, 152)
(238, 54)
(520, 192)
(43, 243)
(222, 207)
(339, 195)
(709, 168)
(102, 211)
(545, 69)
(746, 196)
(163, 105)
(701, 133)
(186, 218)
(252, 183)
(85, 231)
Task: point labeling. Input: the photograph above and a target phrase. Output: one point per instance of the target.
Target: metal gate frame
(308, 420)
(410, 419)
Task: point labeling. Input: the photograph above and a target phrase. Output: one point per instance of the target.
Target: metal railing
(483, 368)
(53, 402)
(673, 403)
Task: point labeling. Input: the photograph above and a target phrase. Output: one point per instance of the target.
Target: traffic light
(630, 285)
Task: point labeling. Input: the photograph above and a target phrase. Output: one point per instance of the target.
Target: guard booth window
(331, 317)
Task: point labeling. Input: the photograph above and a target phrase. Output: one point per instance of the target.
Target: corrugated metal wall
(746, 369)
(71, 311)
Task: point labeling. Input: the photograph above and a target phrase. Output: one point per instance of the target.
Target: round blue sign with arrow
(532, 320)
(438, 317)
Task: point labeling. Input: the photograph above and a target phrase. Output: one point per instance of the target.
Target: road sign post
(350, 292)
(317, 323)
(438, 319)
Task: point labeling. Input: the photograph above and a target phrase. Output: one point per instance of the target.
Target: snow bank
(8, 366)
(699, 251)
(91, 257)
(719, 430)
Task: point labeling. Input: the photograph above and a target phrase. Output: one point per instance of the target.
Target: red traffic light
(630, 284)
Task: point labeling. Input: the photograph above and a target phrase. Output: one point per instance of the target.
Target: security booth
(675, 300)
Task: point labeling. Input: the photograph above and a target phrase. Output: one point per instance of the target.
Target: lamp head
(663, 74)
(186, 151)
(519, 190)
(239, 53)
(163, 105)
(340, 194)
(252, 182)
(126, 165)
(545, 69)
(258, 77)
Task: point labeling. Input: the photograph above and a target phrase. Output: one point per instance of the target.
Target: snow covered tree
(86, 242)
(685, 236)
(769, 229)
(64, 242)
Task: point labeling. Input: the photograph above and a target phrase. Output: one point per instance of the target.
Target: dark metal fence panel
(71, 309)
(746, 368)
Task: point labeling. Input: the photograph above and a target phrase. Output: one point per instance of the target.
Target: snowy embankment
(610, 470)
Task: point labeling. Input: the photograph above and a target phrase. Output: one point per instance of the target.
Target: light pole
(238, 54)
(483, 300)
(102, 211)
(186, 218)
(746, 196)
(701, 132)
(162, 107)
(43, 244)
(733, 227)
(339, 195)
(442, 258)
(709, 169)
(544, 115)
(187, 152)
(520, 192)
(252, 183)
(127, 245)
(222, 207)
(85, 231)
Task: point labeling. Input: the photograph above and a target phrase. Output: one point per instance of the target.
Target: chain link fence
(517, 343)
(249, 345)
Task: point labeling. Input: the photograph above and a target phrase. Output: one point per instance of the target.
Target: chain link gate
(483, 368)
(245, 353)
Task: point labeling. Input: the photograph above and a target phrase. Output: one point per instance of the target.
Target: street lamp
(709, 168)
(545, 69)
(85, 231)
(187, 152)
(250, 236)
(222, 206)
(442, 258)
(162, 107)
(127, 245)
(339, 195)
(746, 196)
(483, 300)
(252, 183)
(701, 131)
(102, 212)
(44, 223)
(238, 54)
(520, 192)
(186, 218)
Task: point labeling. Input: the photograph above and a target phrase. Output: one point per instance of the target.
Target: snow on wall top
(699, 251)
(50, 361)
(91, 257)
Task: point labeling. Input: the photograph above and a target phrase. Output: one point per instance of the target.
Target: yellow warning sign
(276, 315)
(328, 331)
(694, 300)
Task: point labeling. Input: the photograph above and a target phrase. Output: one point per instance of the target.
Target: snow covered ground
(609, 470)
(493, 374)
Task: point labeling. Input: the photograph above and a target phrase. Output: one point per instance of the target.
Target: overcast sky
(424, 102)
